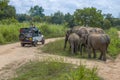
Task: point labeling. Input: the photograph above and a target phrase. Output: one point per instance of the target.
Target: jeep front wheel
(43, 41)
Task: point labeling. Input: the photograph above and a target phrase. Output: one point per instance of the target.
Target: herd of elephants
(89, 38)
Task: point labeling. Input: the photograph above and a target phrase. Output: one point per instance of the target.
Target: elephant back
(73, 37)
(100, 31)
(82, 31)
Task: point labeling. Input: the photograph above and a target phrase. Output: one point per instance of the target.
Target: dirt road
(13, 55)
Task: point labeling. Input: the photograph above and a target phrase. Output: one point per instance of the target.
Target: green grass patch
(52, 70)
(56, 48)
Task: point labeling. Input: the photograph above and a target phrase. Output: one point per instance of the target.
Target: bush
(114, 47)
(50, 30)
(9, 21)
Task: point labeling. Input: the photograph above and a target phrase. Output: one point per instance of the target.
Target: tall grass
(114, 47)
(9, 33)
(53, 70)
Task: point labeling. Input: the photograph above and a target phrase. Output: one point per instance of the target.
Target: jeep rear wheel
(22, 44)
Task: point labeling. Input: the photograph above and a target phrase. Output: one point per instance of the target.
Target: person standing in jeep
(33, 28)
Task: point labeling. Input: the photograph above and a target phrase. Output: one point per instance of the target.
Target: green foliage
(53, 70)
(106, 24)
(57, 18)
(88, 16)
(6, 11)
(9, 33)
(36, 11)
(69, 20)
(114, 47)
(50, 30)
(23, 17)
(8, 21)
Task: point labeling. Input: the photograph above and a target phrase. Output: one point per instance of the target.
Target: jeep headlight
(30, 39)
(42, 36)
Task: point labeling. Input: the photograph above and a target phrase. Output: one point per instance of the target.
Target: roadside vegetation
(54, 70)
(57, 46)
(9, 33)
(114, 47)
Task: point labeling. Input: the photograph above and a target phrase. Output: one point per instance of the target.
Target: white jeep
(27, 36)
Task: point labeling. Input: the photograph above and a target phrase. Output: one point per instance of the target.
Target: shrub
(114, 47)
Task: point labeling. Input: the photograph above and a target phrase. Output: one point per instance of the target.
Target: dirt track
(13, 56)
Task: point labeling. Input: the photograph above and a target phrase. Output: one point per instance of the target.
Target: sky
(65, 6)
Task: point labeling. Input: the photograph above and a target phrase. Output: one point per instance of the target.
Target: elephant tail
(108, 39)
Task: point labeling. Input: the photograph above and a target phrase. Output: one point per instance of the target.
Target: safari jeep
(28, 36)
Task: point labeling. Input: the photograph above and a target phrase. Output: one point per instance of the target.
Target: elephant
(100, 31)
(98, 42)
(74, 41)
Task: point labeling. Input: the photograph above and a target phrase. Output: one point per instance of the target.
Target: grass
(9, 33)
(56, 48)
(53, 70)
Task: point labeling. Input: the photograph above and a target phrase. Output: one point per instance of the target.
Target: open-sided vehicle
(28, 36)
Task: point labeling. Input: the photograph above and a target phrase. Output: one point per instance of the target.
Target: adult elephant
(98, 42)
(74, 41)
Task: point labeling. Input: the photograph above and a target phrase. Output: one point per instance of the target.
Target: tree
(69, 20)
(57, 18)
(88, 16)
(106, 24)
(36, 11)
(23, 17)
(6, 11)
(110, 18)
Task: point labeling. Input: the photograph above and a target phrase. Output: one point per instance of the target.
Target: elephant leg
(104, 56)
(94, 53)
(101, 55)
(89, 53)
(76, 48)
(84, 49)
(81, 49)
(72, 48)
(66, 39)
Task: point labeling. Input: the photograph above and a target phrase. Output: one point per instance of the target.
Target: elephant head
(68, 32)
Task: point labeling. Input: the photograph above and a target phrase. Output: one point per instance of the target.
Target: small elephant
(98, 42)
(74, 41)
(75, 29)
